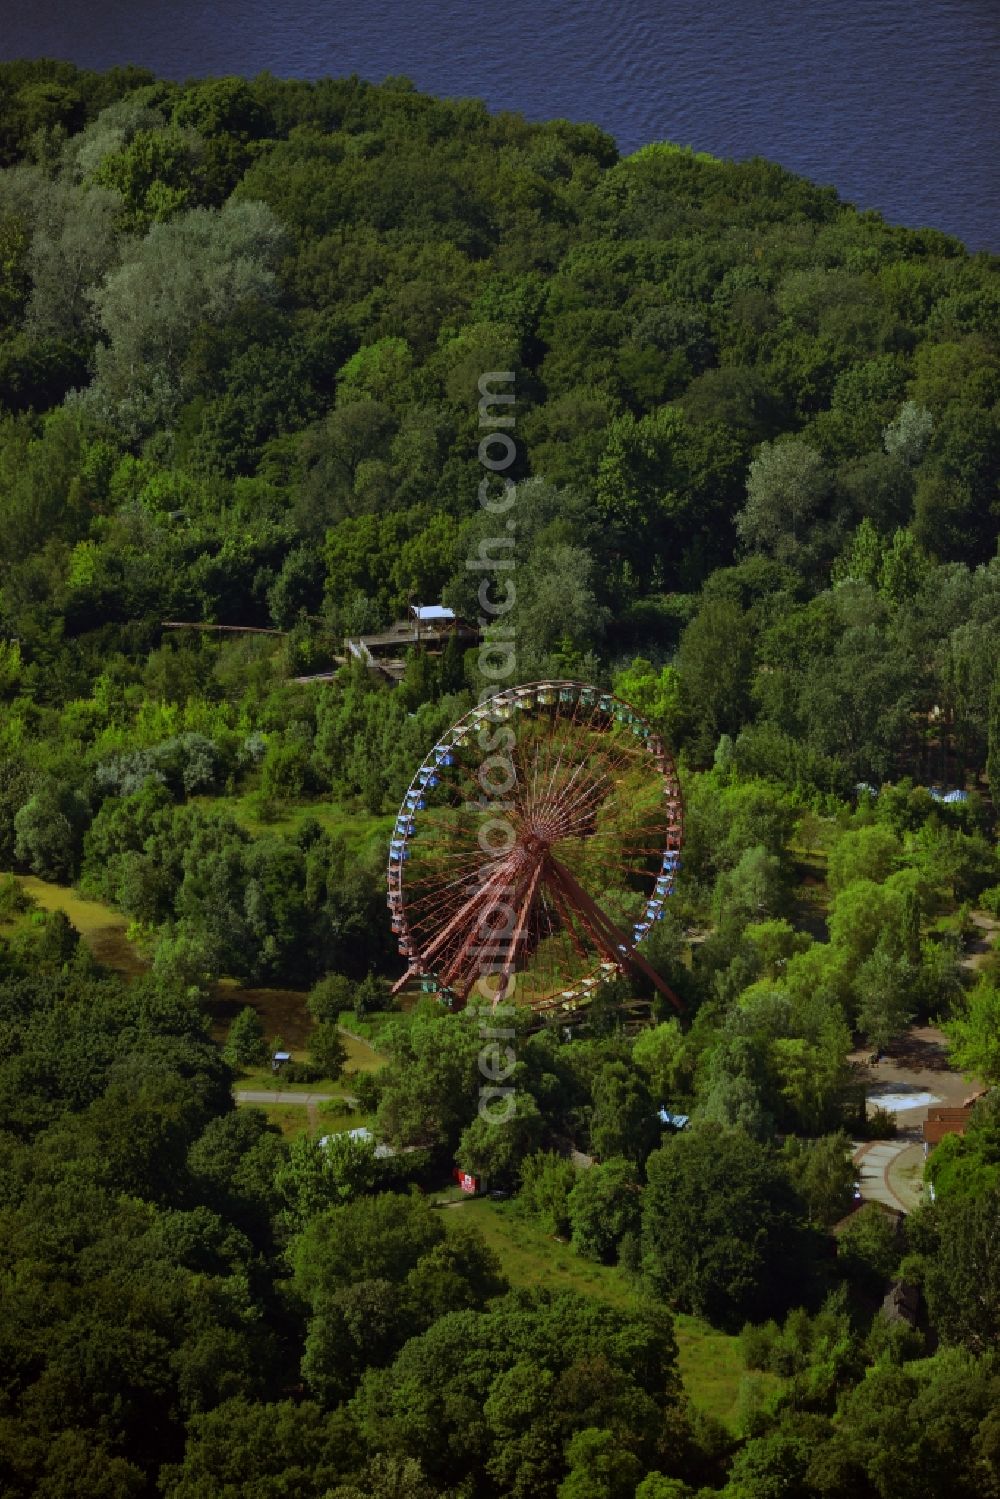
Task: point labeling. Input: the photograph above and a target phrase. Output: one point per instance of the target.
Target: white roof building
(427, 613)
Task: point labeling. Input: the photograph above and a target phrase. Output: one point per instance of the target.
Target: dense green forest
(242, 326)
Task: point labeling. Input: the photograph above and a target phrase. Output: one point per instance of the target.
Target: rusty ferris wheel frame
(588, 808)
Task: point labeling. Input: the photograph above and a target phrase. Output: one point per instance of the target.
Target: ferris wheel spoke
(435, 903)
(484, 897)
(431, 886)
(583, 805)
(565, 914)
(552, 741)
(520, 933)
(620, 944)
(589, 914)
(600, 780)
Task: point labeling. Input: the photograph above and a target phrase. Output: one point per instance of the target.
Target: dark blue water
(892, 101)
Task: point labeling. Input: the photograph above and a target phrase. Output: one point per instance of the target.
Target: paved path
(307, 1100)
(879, 1182)
(906, 1173)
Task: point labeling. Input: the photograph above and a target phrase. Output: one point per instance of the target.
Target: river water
(895, 104)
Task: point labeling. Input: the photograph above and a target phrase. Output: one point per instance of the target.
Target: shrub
(245, 1045)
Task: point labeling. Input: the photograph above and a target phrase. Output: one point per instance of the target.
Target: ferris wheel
(535, 849)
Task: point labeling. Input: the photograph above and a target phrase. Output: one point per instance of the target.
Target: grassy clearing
(710, 1362)
(290, 1119)
(360, 1058)
(315, 1119)
(531, 1257)
(101, 926)
(282, 1011)
(263, 1080)
(334, 1118)
(361, 1055)
(361, 831)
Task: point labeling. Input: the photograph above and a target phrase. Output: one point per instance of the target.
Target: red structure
(942, 1120)
(473, 1185)
(535, 849)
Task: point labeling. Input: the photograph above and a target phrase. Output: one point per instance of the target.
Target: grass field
(361, 1056)
(294, 1119)
(283, 1013)
(290, 1119)
(322, 1119)
(710, 1362)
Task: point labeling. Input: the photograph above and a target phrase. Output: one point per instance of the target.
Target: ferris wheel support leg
(520, 933)
(607, 935)
(565, 908)
(505, 941)
(601, 931)
(484, 897)
(636, 960)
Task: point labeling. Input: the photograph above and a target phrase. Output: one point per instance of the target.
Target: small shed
(674, 1121)
(278, 1060)
(902, 1304)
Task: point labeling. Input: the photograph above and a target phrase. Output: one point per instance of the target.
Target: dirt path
(979, 947)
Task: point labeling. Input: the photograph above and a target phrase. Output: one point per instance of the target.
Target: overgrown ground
(711, 1362)
(100, 925)
(361, 831)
